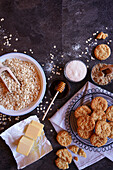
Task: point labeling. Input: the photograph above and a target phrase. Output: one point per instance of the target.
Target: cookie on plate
(109, 113)
(65, 155)
(99, 103)
(85, 134)
(61, 164)
(64, 138)
(97, 140)
(98, 115)
(102, 129)
(102, 52)
(82, 153)
(86, 123)
(73, 148)
(111, 127)
(82, 111)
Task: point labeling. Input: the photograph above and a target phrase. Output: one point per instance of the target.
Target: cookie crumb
(76, 158)
(102, 35)
(82, 153)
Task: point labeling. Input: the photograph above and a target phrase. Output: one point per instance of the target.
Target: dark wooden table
(53, 32)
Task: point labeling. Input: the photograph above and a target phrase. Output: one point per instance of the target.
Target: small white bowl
(75, 75)
(43, 84)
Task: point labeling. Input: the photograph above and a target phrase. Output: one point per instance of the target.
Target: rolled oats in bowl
(22, 96)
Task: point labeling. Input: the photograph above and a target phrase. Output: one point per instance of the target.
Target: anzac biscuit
(84, 133)
(65, 155)
(82, 111)
(111, 127)
(73, 148)
(102, 35)
(102, 52)
(82, 153)
(98, 115)
(102, 129)
(86, 123)
(109, 113)
(99, 103)
(61, 164)
(97, 140)
(64, 138)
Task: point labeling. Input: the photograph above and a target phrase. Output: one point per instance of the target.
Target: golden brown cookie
(86, 123)
(73, 148)
(75, 158)
(98, 115)
(102, 52)
(82, 153)
(61, 164)
(111, 127)
(102, 129)
(64, 138)
(99, 103)
(65, 155)
(97, 140)
(109, 113)
(102, 35)
(84, 133)
(82, 111)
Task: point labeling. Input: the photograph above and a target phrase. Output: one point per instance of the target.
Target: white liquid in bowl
(75, 70)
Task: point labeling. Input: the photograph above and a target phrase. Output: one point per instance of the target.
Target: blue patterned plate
(85, 98)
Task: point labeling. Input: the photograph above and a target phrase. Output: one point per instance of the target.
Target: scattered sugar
(76, 47)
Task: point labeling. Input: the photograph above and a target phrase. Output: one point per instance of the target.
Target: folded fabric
(41, 146)
(58, 122)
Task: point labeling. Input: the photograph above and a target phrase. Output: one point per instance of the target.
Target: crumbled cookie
(97, 140)
(99, 103)
(73, 148)
(98, 115)
(76, 158)
(102, 129)
(61, 164)
(102, 52)
(82, 153)
(64, 138)
(82, 111)
(85, 134)
(86, 123)
(65, 155)
(99, 77)
(109, 113)
(111, 127)
(102, 35)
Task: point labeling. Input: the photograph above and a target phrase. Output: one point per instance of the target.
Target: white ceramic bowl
(43, 84)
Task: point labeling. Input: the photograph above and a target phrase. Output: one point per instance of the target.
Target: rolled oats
(21, 96)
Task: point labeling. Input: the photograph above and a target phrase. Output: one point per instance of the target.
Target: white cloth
(41, 146)
(58, 122)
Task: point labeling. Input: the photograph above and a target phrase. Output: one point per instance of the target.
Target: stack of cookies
(95, 123)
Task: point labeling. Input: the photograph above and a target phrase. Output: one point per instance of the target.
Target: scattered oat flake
(94, 33)
(110, 40)
(54, 46)
(107, 42)
(62, 56)
(106, 28)
(25, 52)
(16, 39)
(15, 50)
(2, 19)
(87, 66)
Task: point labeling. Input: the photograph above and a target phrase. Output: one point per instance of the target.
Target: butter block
(25, 145)
(34, 130)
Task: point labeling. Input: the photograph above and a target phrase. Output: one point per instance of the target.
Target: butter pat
(25, 145)
(34, 130)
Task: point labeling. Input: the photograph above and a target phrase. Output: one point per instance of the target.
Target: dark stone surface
(39, 25)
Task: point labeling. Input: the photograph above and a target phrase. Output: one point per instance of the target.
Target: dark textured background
(41, 24)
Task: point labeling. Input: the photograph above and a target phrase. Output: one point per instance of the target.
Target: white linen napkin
(41, 146)
(58, 122)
